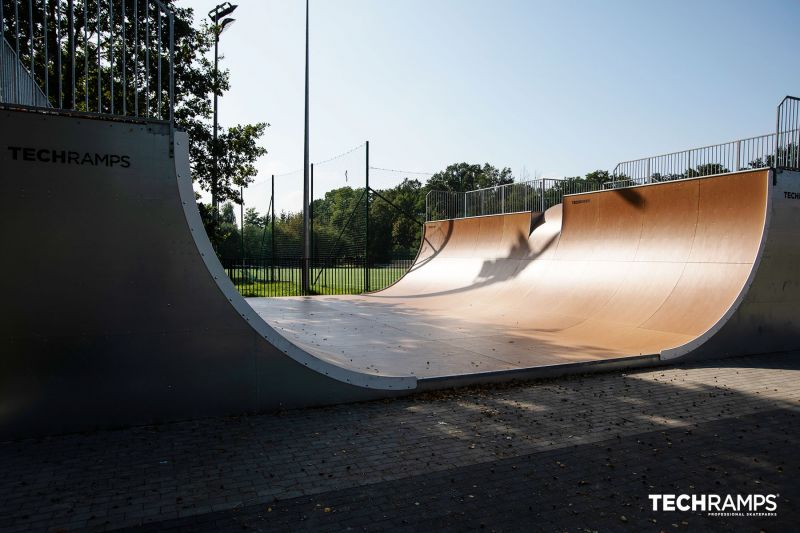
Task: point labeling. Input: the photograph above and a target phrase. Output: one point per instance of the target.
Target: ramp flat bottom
(369, 335)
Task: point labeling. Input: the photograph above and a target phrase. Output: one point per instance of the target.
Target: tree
(252, 218)
(760, 162)
(237, 147)
(598, 176)
(409, 197)
(461, 177)
(708, 169)
(592, 181)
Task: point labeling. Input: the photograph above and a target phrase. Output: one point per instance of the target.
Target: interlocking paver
(204, 467)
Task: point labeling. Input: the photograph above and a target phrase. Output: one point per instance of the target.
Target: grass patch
(259, 282)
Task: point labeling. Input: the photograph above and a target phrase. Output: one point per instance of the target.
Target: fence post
(502, 200)
(366, 210)
(311, 222)
(649, 175)
(241, 222)
(272, 259)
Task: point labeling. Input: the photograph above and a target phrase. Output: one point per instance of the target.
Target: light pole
(305, 278)
(219, 12)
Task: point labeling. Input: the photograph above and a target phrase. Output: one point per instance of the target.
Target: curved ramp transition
(117, 311)
(690, 268)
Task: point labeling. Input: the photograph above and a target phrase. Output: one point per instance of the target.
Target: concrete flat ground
(403, 340)
(579, 453)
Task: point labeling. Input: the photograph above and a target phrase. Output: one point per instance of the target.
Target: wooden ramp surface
(609, 274)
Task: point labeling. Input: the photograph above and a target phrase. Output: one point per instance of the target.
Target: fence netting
(362, 239)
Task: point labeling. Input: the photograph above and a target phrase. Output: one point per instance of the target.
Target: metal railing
(534, 195)
(107, 57)
(16, 81)
(779, 149)
(741, 154)
(788, 134)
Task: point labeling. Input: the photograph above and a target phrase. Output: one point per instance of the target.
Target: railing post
(171, 67)
(739, 155)
(525, 197)
(15, 66)
(32, 54)
(688, 163)
(541, 192)
(649, 175)
(502, 200)
(778, 133)
(3, 53)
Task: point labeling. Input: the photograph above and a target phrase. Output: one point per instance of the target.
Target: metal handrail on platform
(532, 195)
(741, 154)
(111, 57)
(16, 81)
(788, 134)
(779, 149)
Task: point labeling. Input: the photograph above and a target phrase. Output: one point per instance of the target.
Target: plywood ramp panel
(766, 315)
(669, 226)
(731, 215)
(624, 272)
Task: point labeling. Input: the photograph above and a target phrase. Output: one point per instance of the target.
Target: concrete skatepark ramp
(117, 311)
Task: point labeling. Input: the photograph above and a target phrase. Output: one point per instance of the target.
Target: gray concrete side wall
(115, 310)
(766, 317)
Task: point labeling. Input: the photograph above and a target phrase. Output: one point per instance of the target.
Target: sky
(547, 88)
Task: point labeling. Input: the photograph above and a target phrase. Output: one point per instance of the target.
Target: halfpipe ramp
(116, 311)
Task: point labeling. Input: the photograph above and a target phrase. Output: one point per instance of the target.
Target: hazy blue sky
(558, 87)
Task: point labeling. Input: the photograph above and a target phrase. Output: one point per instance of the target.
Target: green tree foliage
(252, 218)
(460, 177)
(598, 176)
(229, 238)
(397, 213)
(237, 147)
(592, 181)
(707, 169)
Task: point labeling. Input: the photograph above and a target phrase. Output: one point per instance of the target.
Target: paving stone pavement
(564, 454)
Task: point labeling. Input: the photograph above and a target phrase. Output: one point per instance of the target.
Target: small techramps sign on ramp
(117, 311)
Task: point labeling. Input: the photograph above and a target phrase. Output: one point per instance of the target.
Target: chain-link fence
(362, 239)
